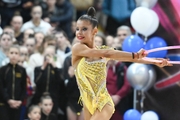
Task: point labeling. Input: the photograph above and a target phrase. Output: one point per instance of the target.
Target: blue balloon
(132, 43)
(132, 114)
(173, 57)
(156, 42)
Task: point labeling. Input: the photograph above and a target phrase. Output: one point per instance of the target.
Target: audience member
(16, 24)
(36, 23)
(63, 44)
(30, 43)
(99, 39)
(39, 36)
(34, 112)
(12, 86)
(6, 41)
(46, 104)
(109, 40)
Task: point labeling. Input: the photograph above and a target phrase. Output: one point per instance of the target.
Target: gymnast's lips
(80, 37)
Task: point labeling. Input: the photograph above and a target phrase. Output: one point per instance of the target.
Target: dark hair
(15, 46)
(6, 33)
(90, 16)
(46, 39)
(101, 35)
(62, 32)
(45, 96)
(32, 107)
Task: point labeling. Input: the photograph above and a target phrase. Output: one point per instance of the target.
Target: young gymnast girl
(89, 63)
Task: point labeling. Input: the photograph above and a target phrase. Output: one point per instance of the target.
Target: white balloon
(149, 115)
(154, 25)
(144, 21)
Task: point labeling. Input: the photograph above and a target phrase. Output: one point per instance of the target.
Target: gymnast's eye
(84, 29)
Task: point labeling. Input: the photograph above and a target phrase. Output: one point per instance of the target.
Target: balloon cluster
(145, 22)
(134, 43)
(133, 114)
(142, 77)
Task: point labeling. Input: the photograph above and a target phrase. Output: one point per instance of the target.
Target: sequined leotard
(91, 79)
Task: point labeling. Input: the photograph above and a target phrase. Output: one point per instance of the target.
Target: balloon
(154, 25)
(144, 21)
(132, 114)
(152, 78)
(173, 57)
(148, 3)
(132, 43)
(138, 75)
(149, 115)
(156, 42)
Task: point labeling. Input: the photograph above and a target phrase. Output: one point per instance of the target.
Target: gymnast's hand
(140, 54)
(163, 63)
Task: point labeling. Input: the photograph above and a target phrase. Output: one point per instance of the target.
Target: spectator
(26, 35)
(24, 53)
(63, 44)
(12, 86)
(118, 87)
(30, 43)
(10, 30)
(36, 23)
(39, 36)
(109, 40)
(34, 112)
(37, 59)
(25, 10)
(73, 28)
(22, 62)
(49, 10)
(63, 17)
(46, 104)
(117, 44)
(24, 59)
(99, 39)
(118, 13)
(6, 40)
(8, 8)
(48, 80)
(123, 32)
(16, 24)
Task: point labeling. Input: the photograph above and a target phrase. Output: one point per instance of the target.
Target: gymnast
(89, 62)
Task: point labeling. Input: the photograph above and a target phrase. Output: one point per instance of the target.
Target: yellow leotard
(91, 79)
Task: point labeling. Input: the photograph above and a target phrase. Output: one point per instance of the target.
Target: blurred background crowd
(45, 29)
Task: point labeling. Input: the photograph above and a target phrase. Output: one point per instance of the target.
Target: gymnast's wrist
(135, 55)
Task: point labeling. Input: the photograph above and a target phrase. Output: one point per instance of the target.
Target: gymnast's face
(85, 31)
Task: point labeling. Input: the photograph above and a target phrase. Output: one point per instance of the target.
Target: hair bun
(91, 12)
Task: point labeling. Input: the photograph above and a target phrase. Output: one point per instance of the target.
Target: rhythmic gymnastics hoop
(160, 49)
